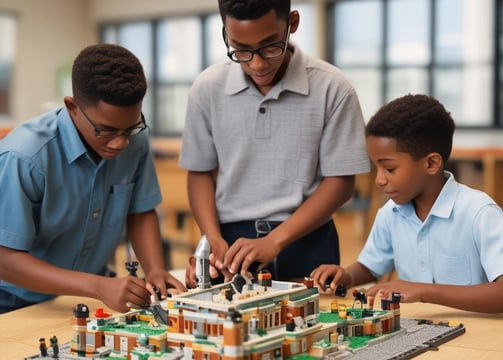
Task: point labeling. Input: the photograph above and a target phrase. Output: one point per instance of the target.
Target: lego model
(245, 320)
(254, 320)
(236, 320)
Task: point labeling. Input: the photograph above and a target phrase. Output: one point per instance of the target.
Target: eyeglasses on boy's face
(111, 132)
(265, 52)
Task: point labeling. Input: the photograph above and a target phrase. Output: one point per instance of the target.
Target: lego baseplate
(414, 338)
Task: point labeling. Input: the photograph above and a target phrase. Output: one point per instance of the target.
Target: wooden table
(490, 161)
(21, 329)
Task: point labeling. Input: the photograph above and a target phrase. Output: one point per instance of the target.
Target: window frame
(495, 109)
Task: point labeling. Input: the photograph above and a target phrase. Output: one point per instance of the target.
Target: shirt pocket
(453, 270)
(118, 203)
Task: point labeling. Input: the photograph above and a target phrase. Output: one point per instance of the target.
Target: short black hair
(418, 123)
(253, 9)
(110, 73)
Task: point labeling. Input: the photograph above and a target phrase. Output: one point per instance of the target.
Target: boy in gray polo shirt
(272, 142)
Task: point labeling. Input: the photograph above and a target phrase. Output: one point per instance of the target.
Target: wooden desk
(21, 329)
(490, 161)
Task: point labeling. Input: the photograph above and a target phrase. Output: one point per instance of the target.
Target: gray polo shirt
(272, 151)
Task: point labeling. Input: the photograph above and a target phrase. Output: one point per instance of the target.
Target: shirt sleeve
(488, 230)
(147, 192)
(24, 184)
(377, 254)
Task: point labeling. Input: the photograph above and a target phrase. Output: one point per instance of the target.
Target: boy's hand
(218, 250)
(328, 277)
(122, 294)
(409, 291)
(244, 252)
(159, 280)
(190, 272)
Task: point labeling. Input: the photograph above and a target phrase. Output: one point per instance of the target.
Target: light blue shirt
(459, 243)
(61, 206)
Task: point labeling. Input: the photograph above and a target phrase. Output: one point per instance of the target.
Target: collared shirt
(272, 151)
(459, 243)
(60, 205)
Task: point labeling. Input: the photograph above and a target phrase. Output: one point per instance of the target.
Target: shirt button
(96, 213)
(262, 110)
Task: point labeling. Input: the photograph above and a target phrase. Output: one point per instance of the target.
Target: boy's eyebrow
(114, 128)
(384, 160)
(266, 41)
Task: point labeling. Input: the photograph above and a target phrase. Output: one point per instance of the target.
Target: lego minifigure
(55, 347)
(132, 268)
(43, 347)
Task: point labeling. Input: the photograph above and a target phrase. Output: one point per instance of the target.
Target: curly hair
(253, 9)
(110, 73)
(419, 124)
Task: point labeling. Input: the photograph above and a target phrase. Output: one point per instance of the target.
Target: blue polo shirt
(61, 206)
(459, 243)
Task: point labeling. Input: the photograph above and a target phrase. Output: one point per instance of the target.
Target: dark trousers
(298, 259)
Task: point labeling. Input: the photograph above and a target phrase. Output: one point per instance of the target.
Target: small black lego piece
(340, 290)
(132, 268)
(361, 296)
(238, 282)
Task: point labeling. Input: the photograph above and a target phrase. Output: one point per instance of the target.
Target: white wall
(49, 35)
(133, 9)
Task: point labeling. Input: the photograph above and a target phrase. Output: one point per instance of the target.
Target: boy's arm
(485, 298)
(26, 271)
(316, 210)
(145, 236)
(201, 190)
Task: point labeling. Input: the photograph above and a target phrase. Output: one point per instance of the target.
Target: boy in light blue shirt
(72, 181)
(444, 239)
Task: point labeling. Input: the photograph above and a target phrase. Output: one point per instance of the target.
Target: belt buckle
(262, 227)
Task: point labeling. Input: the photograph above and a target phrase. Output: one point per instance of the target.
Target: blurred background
(451, 49)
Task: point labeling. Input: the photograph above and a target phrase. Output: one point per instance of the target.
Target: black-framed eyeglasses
(109, 133)
(265, 52)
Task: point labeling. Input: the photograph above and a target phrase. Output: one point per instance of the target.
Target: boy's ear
(70, 105)
(434, 163)
(294, 21)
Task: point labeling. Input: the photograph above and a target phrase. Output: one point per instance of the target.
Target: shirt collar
(73, 146)
(295, 78)
(443, 205)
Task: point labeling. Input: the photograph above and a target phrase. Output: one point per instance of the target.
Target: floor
(350, 227)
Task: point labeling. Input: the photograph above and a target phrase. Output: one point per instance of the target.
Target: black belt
(262, 227)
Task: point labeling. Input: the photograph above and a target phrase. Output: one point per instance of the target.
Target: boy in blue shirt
(72, 180)
(444, 240)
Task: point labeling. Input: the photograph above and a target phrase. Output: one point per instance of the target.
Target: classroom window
(444, 48)
(7, 60)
